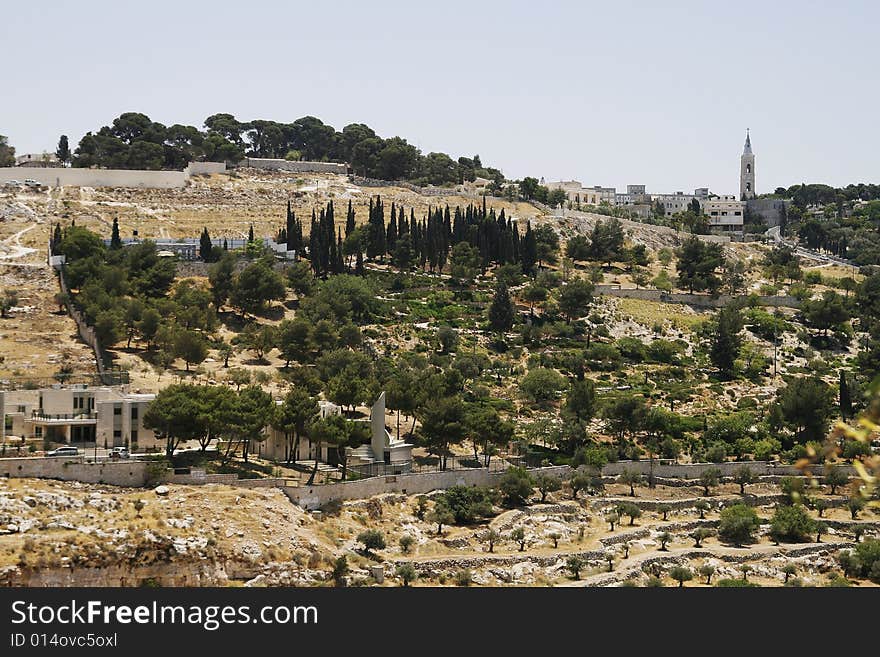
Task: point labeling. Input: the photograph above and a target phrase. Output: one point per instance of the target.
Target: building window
(134, 437)
(737, 213)
(117, 410)
(38, 432)
(134, 412)
(7, 422)
(117, 434)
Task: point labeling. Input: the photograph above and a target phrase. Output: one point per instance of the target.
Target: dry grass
(650, 313)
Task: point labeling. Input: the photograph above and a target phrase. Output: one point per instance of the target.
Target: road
(774, 234)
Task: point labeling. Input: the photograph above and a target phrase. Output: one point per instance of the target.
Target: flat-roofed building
(725, 214)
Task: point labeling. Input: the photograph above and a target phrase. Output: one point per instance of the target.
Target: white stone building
(725, 214)
(41, 160)
(78, 414)
(576, 192)
(673, 203)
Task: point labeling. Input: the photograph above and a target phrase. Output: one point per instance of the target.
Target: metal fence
(425, 464)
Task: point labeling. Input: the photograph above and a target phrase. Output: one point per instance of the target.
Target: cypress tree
(314, 246)
(225, 244)
(381, 247)
(349, 220)
(331, 257)
(845, 399)
(359, 264)
(115, 240)
(291, 228)
(251, 233)
(528, 250)
(340, 262)
(56, 239)
(391, 234)
(205, 247)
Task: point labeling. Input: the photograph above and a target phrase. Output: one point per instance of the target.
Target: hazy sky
(607, 93)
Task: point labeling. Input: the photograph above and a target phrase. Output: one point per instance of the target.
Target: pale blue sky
(608, 93)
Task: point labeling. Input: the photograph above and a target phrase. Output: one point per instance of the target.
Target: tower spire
(748, 146)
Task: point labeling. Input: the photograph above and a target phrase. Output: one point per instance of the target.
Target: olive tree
(681, 575)
(710, 478)
(630, 478)
(700, 534)
(575, 564)
(372, 539)
(744, 476)
(738, 524)
(665, 537)
(518, 535)
(707, 570)
(492, 537)
(406, 543)
(407, 573)
(547, 484)
(836, 477)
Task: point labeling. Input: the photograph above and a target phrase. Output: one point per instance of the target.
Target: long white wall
(74, 177)
(58, 177)
(294, 165)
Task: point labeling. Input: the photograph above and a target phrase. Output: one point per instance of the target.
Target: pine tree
(725, 341)
(115, 240)
(63, 150)
(501, 312)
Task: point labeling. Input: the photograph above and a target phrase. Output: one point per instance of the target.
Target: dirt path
(14, 243)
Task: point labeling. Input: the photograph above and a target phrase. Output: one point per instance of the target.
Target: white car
(119, 453)
(64, 451)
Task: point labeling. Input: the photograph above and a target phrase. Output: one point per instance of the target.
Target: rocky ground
(68, 533)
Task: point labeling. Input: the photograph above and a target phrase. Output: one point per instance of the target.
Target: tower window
(748, 186)
(748, 168)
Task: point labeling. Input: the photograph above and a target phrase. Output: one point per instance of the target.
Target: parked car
(63, 451)
(12, 183)
(119, 453)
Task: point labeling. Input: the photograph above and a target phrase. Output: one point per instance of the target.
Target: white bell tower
(747, 171)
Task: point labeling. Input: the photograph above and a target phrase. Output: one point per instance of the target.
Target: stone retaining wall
(124, 473)
(694, 470)
(313, 497)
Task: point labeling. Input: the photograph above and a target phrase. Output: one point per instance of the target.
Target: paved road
(774, 234)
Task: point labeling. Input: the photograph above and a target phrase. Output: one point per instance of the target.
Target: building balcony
(39, 417)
